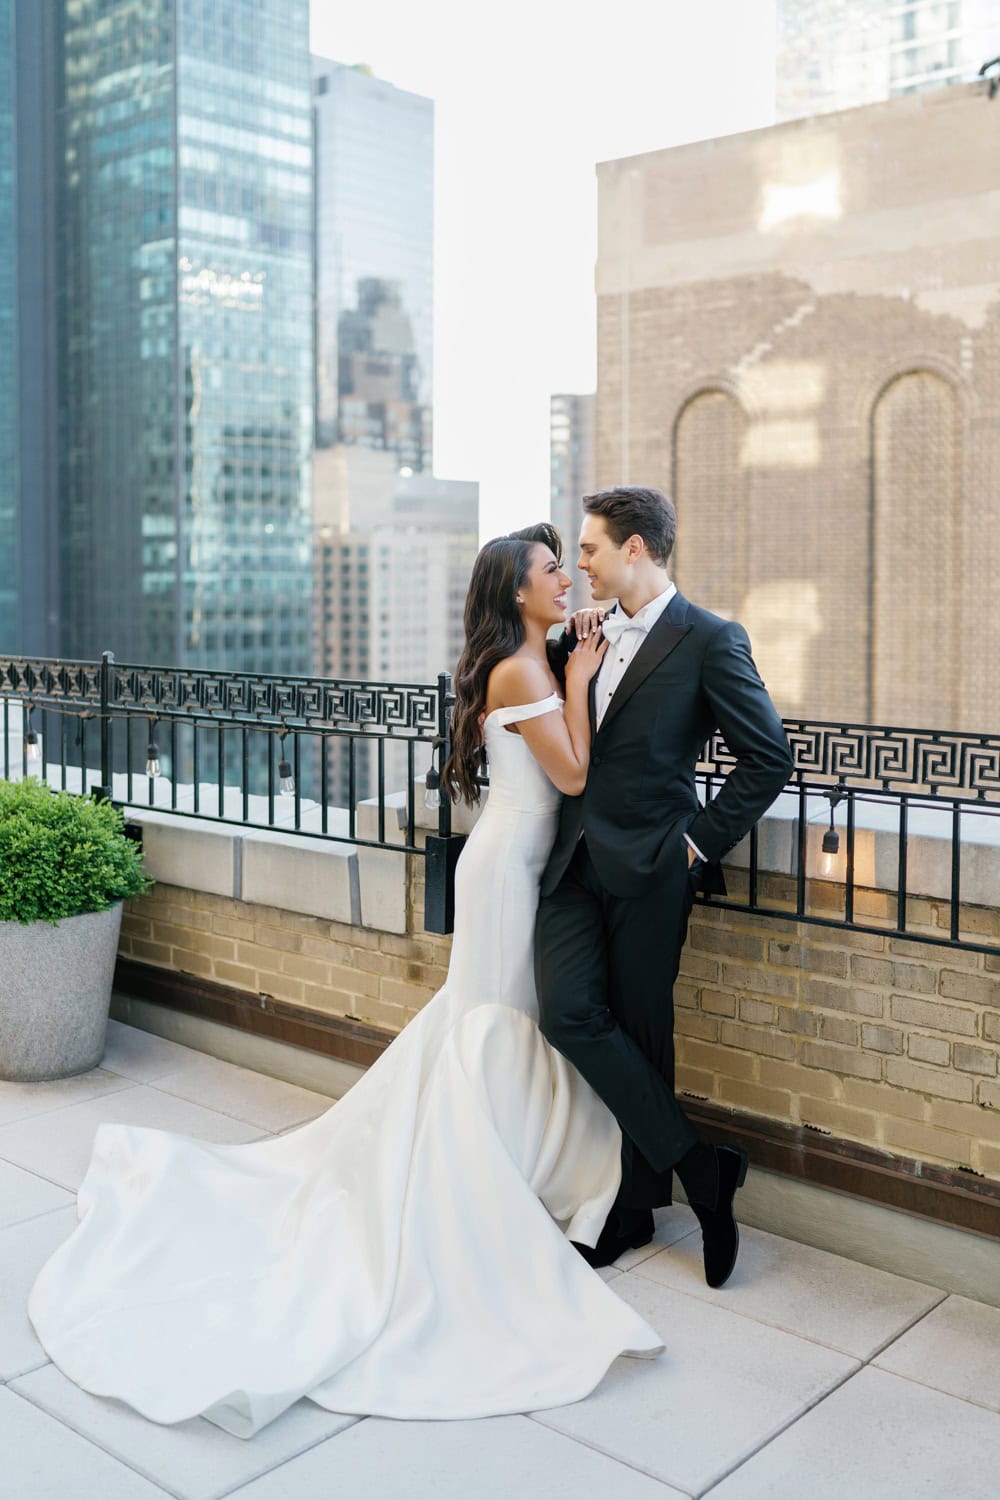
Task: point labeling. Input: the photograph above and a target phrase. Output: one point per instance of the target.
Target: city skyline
(524, 111)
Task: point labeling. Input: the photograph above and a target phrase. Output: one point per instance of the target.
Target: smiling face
(543, 592)
(605, 563)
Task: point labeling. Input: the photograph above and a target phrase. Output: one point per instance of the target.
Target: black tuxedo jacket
(692, 675)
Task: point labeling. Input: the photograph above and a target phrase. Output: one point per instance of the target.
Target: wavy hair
(494, 630)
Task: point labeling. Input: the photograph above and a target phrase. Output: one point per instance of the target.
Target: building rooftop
(808, 1373)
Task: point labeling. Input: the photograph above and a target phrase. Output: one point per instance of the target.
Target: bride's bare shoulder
(517, 680)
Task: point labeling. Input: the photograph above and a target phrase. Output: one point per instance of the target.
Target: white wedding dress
(406, 1254)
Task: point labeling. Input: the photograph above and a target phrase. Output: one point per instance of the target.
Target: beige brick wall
(327, 966)
(879, 1039)
(871, 1037)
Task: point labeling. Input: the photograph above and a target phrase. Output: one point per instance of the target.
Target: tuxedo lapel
(592, 703)
(661, 640)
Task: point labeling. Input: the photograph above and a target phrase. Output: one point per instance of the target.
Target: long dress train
(406, 1254)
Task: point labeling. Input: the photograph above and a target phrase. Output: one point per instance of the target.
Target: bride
(408, 1253)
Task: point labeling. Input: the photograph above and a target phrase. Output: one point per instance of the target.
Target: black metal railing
(290, 754)
(875, 832)
(899, 791)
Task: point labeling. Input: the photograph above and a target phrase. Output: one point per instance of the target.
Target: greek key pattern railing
(407, 710)
(930, 763)
(328, 758)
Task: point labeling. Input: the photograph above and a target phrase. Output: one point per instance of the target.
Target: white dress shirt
(618, 657)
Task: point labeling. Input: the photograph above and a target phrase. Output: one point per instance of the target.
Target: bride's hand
(585, 659)
(585, 622)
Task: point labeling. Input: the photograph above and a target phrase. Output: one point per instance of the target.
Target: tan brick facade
(857, 1034)
(878, 1039)
(799, 336)
(327, 966)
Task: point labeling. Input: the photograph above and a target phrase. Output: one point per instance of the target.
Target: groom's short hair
(631, 511)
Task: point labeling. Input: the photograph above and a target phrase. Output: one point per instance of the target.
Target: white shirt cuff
(694, 846)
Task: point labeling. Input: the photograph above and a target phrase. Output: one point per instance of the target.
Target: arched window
(916, 562)
(709, 488)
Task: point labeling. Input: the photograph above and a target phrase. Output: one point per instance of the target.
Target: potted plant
(66, 866)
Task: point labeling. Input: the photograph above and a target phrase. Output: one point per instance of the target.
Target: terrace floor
(808, 1375)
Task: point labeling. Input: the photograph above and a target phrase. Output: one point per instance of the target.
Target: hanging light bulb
(152, 758)
(831, 848)
(286, 781)
(432, 793)
(32, 749)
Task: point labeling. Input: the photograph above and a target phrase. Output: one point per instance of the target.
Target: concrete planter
(55, 991)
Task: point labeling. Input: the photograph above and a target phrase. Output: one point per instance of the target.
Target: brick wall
(870, 1037)
(334, 968)
(867, 1036)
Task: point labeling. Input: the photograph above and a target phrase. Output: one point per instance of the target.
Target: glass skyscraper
(185, 331)
(835, 54)
(29, 605)
(9, 542)
(374, 264)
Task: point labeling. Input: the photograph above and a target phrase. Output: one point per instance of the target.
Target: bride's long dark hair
(494, 630)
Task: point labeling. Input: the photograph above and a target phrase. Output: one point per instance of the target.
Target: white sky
(529, 95)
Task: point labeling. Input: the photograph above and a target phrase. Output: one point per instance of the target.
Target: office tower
(835, 54)
(185, 331)
(391, 588)
(390, 583)
(571, 476)
(28, 584)
(374, 264)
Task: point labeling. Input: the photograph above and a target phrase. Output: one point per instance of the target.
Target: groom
(631, 851)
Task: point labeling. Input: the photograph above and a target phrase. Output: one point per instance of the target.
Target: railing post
(443, 848)
(105, 790)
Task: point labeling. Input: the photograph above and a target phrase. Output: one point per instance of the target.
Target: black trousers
(605, 968)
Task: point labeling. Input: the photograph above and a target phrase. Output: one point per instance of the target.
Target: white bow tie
(615, 626)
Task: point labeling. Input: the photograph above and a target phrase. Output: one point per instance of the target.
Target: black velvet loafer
(719, 1229)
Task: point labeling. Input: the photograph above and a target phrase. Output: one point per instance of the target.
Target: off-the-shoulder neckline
(506, 707)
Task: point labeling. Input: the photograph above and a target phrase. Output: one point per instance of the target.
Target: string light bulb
(432, 792)
(831, 838)
(286, 780)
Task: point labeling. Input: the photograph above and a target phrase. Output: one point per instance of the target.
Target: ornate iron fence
(901, 813)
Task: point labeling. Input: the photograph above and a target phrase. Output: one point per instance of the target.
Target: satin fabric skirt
(406, 1254)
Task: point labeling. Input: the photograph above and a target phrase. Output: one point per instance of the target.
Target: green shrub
(62, 855)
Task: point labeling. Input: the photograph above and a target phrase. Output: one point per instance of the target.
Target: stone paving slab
(956, 1348)
(498, 1458)
(841, 1303)
(194, 1460)
(724, 1386)
(759, 1394)
(21, 1101)
(43, 1460)
(141, 1056)
(58, 1145)
(253, 1097)
(24, 1249)
(670, 1225)
(878, 1437)
(25, 1195)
